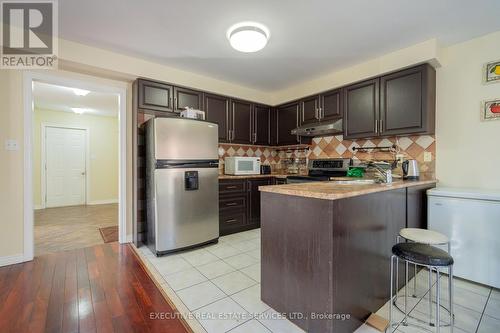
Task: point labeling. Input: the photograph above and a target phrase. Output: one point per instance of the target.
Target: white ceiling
(308, 37)
(59, 98)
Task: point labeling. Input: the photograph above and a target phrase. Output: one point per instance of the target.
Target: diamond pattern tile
(411, 147)
(404, 142)
(425, 141)
(340, 149)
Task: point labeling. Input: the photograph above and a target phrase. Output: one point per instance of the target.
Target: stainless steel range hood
(319, 128)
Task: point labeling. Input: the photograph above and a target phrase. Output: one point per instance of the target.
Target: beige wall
(468, 149)
(11, 164)
(103, 152)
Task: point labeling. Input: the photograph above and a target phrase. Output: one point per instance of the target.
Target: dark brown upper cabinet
(361, 109)
(273, 126)
(217, 111)
(310, 108)
(287, 120)
(330, 105)
(155, 96)
(325, 106)
(407, 101)
(241, 122)
(262, 124)
(184, 97)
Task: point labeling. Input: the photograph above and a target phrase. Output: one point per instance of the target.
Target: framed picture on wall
(491, 72)
(490, 110)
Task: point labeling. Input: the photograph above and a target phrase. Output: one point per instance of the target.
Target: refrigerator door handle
(181, 165)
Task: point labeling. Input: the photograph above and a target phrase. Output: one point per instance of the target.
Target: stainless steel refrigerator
(182, 190)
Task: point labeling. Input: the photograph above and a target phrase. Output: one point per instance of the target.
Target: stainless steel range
(323, 170)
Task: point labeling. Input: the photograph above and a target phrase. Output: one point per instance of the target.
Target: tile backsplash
(411, 147)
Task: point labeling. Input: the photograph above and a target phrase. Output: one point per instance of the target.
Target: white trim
(102, 202)
(43, 157)
(130, 238)
(54, 78)
(38, 207)
(11, 260)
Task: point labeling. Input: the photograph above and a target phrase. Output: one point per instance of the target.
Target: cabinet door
(217, 110)
(241, 121)
(310, 109)
(254, 199)
(331, 105)
(288, 119)
(155, 96)
(273, 127)
(406, 102)
(361, 109)
(187, 98)
(262, 115)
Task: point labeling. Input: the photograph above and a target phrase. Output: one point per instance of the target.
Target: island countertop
(334, 191)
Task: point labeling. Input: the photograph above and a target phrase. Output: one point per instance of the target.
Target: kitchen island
(326, 248)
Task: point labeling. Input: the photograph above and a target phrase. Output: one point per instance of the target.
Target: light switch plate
(11, 145)
(427, 156)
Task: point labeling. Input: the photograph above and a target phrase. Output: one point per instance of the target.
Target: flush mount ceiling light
(79, 110)
(80, 92)
(248, 36)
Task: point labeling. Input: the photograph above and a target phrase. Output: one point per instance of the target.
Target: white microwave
(239, 165)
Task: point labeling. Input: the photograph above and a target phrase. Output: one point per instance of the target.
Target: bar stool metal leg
(450, 282)
(392, 292)
(415, 282)
(405, 322)
(438, 306)
(430, 296)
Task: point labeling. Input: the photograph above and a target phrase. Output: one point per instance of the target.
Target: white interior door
(65, 161)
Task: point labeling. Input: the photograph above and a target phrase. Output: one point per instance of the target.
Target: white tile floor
(220, 285)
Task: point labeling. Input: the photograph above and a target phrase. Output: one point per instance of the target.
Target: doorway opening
(77, 170)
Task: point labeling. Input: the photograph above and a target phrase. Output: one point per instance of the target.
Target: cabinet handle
(321, 115)
(231, 221)
(231, 187)
(232, 204)
(381, 125)
(175, 103)
(376, 126)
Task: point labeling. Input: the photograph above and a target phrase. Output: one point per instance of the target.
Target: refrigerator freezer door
(187, 207)
(185, 139)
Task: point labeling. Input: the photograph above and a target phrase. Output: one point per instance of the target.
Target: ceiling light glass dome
(248, 36)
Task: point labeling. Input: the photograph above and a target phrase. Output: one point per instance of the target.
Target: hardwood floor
(69, 228)
(103, 288)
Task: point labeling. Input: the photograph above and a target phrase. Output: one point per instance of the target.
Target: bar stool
(427, 256)
(428, 237)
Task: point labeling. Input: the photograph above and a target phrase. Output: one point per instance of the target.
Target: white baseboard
(38, 207)
(129, 239)
(11, 260)
(103, 202)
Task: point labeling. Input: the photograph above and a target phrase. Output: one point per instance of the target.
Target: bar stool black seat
(422, 254)
(432, 258)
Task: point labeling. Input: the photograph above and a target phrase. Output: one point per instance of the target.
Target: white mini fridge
(471, 220)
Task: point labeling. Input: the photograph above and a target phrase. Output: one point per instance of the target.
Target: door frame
(80, 81)
(43, 160)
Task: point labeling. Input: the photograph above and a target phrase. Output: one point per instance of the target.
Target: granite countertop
(333, 191)
(276, 175)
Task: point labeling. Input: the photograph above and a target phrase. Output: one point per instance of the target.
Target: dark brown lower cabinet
(239, 204)
(331, 257)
